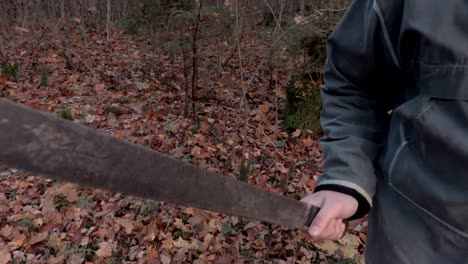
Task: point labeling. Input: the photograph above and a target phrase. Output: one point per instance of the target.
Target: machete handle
(313, 211)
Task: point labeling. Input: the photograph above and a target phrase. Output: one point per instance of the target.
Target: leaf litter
(73, 224)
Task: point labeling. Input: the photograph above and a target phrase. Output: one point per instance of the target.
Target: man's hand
(334, 208)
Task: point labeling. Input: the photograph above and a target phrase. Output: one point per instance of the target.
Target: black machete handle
(314, 211)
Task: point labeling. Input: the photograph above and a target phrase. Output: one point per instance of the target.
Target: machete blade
(41, 143)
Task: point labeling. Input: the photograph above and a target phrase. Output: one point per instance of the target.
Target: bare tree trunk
(108, 18)
(302, 7)
(186, 80)
(62, 10)
(195, 56)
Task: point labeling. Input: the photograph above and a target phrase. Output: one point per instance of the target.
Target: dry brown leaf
(207, 240)
(152, 253)
(69, 190)
(350, 246)
(306, 252)
(330, 247)
(183, 244)
(48, 203)
(264, 108)
(204, 126)
(307, 141)
(167, 244)
(196, 220)
(165, 259)
(53, 217)
(17, 241)
(39, 237)
(258, 244)
(99, 87)
(54, 241)
(75, 259)
(5, 256)
(56, 260)
(105, 250)
(6, 231)
(127, 224)
(300, 19)
(296, 133)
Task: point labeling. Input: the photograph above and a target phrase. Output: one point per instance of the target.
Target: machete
(41, 143)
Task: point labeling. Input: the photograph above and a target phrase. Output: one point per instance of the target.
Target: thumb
(322, 219)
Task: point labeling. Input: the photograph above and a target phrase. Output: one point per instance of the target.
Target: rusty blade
(38, 142)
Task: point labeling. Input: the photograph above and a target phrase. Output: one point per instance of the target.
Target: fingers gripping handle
(313, 211)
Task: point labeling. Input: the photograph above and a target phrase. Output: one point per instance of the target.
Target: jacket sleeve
(355, 102)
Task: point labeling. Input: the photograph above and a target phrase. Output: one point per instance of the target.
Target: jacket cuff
(363, 204)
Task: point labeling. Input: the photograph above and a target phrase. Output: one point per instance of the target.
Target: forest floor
(128, 88)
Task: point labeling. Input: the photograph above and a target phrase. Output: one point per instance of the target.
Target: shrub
(307, 43)
(303, 106)
(44, 79)
(10, 70)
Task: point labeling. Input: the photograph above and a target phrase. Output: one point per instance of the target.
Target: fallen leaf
(328, 246)
(167, 244)
(152, 253)
(56, 260)
(306, 252)
(141, 86)
(90, 118)
(264, 108)
(18, 241)
(105, 250)
(311, 183)
(280, 92)
(299, 19)
(127, 224)
(39, 237)
(195, 220)
(75, 259)
(196, 151)
(258, 244)
(184, 244)
(70, 192)
(207, 240)
(99, 87)
(204, 126)
(307, 141)
(165, 259)
(48, 204)
(5, 256)
(296, 133)
(6, 231)
(350, 246)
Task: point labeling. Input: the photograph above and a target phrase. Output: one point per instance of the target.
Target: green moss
(65, 114)
(26, 222)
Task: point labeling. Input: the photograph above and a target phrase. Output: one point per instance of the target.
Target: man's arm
(355, 104)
